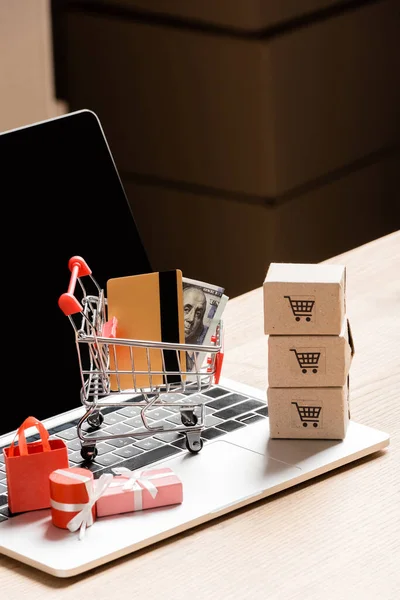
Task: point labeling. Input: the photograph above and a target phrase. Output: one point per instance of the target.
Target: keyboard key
(75, 457)
(135, 422)
(148, 443)
(210, 421)
(117, 430)
(120, 442)
(175, 418)
(74, 445)
(250, 418)
(226, 401)
(215, 392)
(107, 460)
(2, 475)
(238, 409)
(113, 418)
(58, 428)
(129, 411)
(146, 458)
(68, 434)
(94, 467)
(127, 451)
(210, 434)
(180, 443)
(263, 411)
(229, 426)
(171, 436)
(158, 413)
(103, 448)
(3, 499)
(142, 432)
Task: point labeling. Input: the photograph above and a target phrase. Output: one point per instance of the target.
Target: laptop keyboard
(225, 411)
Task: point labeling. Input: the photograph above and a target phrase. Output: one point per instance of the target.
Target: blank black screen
(61, 196)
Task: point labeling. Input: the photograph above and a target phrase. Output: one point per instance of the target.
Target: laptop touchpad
(223, 474)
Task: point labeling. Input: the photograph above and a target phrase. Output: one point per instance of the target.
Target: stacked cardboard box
(310, 349)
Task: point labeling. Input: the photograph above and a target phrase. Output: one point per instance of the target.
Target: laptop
(67, 199)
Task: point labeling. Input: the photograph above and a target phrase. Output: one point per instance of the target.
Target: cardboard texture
(310, 361)
(140, 491)
(146, 307)
(69, 495)
(29, 465)
(307, 413)
(304, 299)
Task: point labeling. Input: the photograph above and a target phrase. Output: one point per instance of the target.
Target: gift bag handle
(23, 447)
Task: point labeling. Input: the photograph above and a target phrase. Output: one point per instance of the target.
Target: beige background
(26, 64)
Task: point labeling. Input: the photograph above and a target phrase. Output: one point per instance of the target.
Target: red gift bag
(28, 466)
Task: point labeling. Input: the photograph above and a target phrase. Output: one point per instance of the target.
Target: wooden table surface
(336, 536)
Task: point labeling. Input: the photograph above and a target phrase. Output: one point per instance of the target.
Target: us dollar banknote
(203, 304)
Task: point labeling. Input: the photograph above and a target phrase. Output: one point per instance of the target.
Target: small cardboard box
(309, 360)
(304, 299)
(309, 413)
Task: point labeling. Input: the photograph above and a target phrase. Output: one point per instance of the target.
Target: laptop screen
(61, 196)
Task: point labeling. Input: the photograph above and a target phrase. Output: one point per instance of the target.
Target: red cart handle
(67, 302)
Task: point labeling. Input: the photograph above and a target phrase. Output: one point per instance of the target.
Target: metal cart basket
(98, 349)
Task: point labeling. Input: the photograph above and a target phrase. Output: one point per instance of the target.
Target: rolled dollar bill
(203, 306)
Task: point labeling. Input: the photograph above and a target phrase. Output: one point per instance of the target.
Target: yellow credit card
(147, 307)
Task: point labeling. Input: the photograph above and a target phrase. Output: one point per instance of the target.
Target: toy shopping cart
(99, 348)
(308, 361)
(308, 414)
(301, 308)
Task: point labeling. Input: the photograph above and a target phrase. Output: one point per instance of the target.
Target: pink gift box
(138, 490)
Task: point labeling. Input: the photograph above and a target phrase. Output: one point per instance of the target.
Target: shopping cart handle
(67, 302)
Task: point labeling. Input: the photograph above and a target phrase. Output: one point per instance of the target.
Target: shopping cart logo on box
(302, 307)
(309, 415)
(308, 361)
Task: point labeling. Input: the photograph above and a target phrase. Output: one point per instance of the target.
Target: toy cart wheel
(95, 420)
(297, 318)
(194, 445)
(188, 417)
(89, 453)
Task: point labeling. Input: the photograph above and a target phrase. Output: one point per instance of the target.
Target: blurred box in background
(256, 116)
(237, 15)
(244, 132)
(232, 242)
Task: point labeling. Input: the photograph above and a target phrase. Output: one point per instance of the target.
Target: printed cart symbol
(301, 308)
(308, 414)
(307, 360)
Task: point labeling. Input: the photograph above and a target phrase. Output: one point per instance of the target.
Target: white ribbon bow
(136, 477)
(95, 488)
